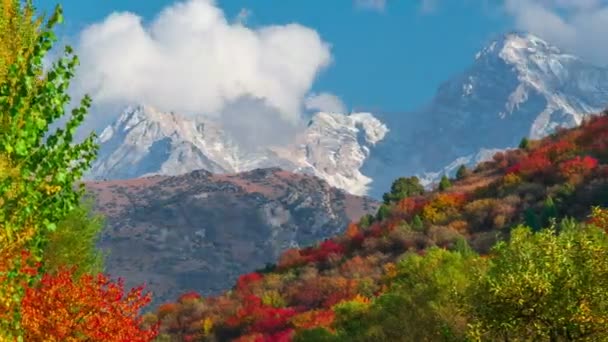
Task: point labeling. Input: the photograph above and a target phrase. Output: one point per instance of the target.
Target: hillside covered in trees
(515, 249)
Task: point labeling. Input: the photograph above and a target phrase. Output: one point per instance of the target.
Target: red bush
(577, 165)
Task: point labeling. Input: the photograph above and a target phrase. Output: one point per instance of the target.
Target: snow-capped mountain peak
(145, 141)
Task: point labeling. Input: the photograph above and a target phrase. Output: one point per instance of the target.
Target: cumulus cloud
(376, 5)
(192, 60)
(324, 102)
(578, 26)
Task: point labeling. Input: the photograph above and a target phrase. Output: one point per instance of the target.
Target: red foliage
(261, 318)
(554, 150)
(577, 165)
(531, 165)
(244, 281)
(325, 249)
(92, 308)
(410, 206)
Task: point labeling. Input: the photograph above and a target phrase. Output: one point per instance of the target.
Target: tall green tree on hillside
(403, 187)
(39, 190)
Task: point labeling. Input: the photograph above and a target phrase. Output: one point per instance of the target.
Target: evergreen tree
(403, 187)
(383, 212)
(462, 172)
(417, 223)
(445, 183)
(524, 143)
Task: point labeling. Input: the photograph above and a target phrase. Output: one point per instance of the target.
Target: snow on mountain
(518, 85)
(144, 141)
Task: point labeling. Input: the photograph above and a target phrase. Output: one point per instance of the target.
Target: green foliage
(417, 223)
(445, 183)
(403, 187)
(462, 172)
(366, 221)
(531, 219)
(383, 212)
(49, 165)
(549, 211)
(316, 335)
(545, 286)
(424, 302)
(524, 144)
(74, 242)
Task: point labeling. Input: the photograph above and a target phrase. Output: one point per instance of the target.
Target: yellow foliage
(511, 179)
(207, 325)
(390, 270)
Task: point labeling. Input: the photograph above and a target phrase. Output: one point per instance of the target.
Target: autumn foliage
(92, 308)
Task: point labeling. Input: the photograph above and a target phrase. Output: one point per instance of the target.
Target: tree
(549, 211)
(90, 308)
(417, 223)
(524, 144)
(445, 183)
(19, 33)
(462, 172)
(531, 219)
(545, 286)
(44, 168)
(403, 187)
(74, 242)
(383, 212)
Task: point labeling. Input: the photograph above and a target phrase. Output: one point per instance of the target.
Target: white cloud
(578, 26)
(325, 102)
(191, 59)
(376, 5)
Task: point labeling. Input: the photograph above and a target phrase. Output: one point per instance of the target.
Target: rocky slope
(199, 231)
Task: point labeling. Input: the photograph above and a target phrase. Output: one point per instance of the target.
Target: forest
(512, 250)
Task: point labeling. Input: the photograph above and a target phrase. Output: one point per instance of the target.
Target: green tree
(423, 303)
(366, 221)
(403, 187)
(417, 223)
(383, 212)
(462, 172)
(531, 219)
(524, 144)
(74, 242)
(44, 190)
(445, 183)
(549, 211)
(544, 286)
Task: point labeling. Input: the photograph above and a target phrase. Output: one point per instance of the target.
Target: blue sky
(388, 59)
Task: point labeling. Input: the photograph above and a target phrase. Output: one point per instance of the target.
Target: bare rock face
(200, 231)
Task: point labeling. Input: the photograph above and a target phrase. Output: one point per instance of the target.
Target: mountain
(144, 141)
(200, 230)
(422, 270)
(518, 85)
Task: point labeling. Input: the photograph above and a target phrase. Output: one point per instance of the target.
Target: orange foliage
(313, 319)
(89, 308)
